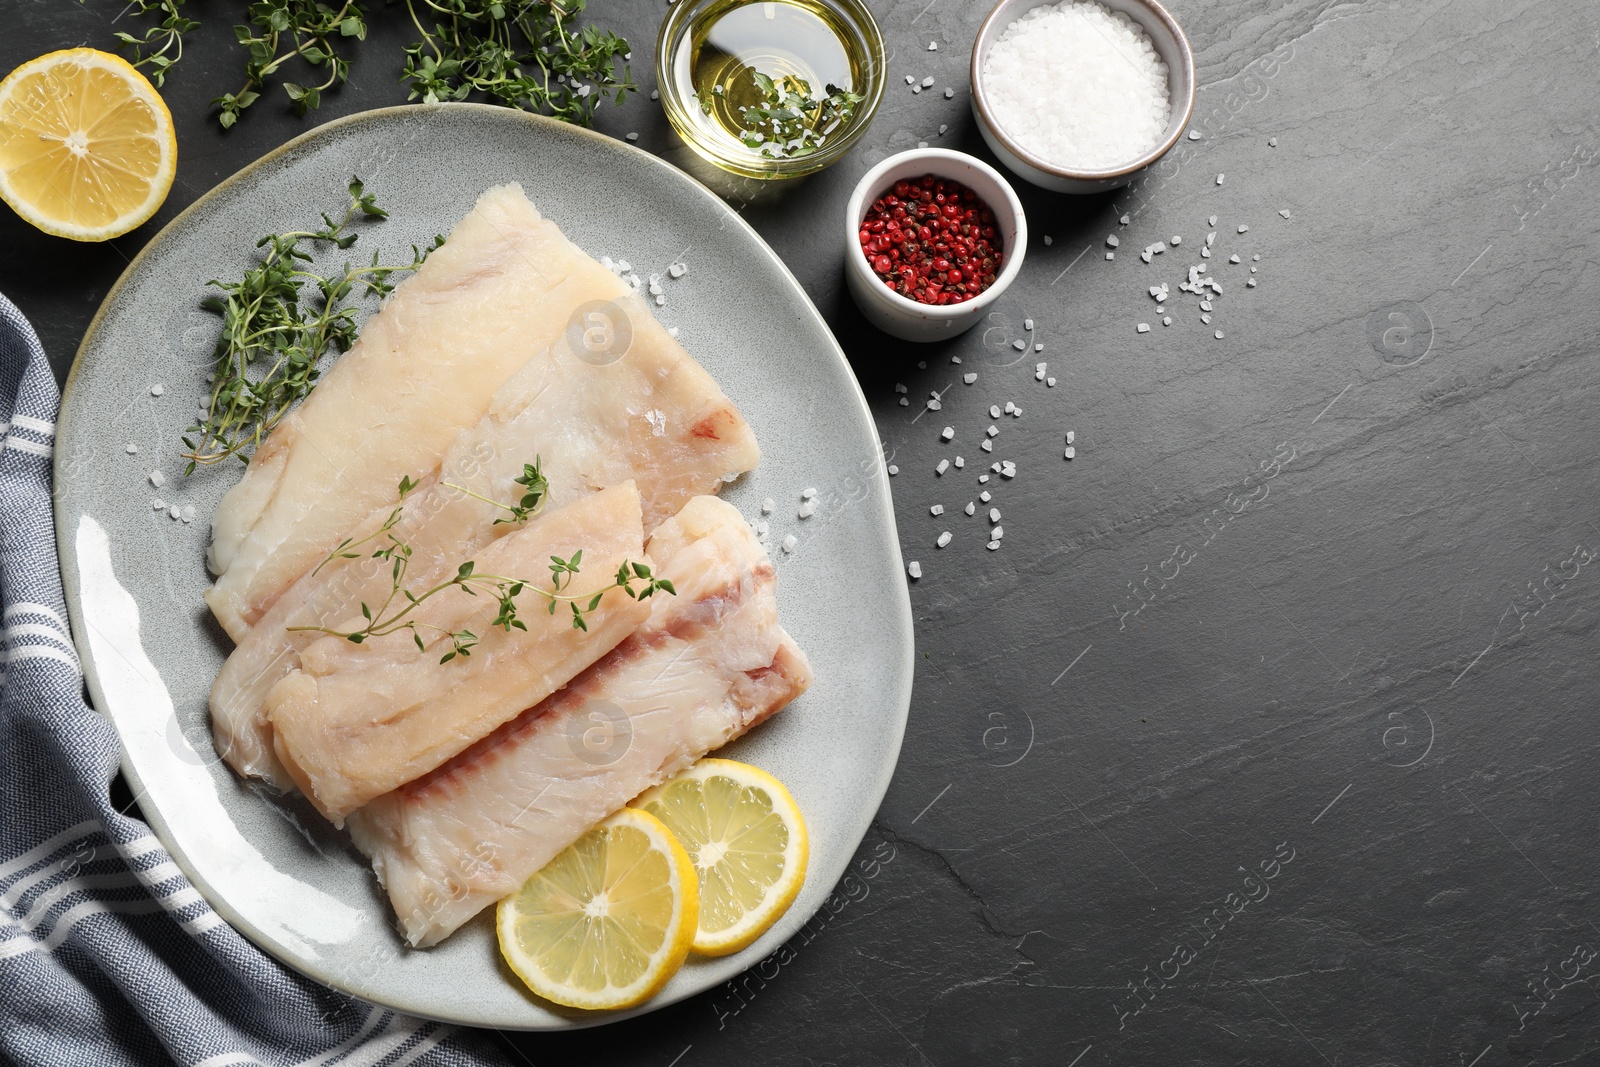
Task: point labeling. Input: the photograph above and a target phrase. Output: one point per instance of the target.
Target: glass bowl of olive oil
(770, 88)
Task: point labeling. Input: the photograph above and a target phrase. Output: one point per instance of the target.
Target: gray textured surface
(1373, 632)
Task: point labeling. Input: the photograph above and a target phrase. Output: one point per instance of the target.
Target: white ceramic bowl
(1167, 37)
(901, 316)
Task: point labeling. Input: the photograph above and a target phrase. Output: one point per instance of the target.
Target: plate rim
(71, 578)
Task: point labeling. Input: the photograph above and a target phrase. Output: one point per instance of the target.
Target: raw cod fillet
(499, 292)
(654, 415)
(359, 720)
(708, 665)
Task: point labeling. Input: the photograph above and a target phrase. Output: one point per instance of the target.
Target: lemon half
(87, 149)
(748, 843)
(608, 921)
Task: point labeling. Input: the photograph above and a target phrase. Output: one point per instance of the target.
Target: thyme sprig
(271, 343)
(162, 44)
(521, 53)
(532, 502)
(394, 613)
(790, 122)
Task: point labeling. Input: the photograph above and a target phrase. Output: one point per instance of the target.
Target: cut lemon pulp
(608, 921)
(748, 843)
(87, 149)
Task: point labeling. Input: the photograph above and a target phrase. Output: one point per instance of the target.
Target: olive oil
(800, 45)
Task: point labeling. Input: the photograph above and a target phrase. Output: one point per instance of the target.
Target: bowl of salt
(1080, 96)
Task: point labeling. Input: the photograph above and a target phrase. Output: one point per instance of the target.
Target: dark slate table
(1267, 735)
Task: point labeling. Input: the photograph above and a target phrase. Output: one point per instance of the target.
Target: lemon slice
(748, 843)
(86, 145)
(608, 921)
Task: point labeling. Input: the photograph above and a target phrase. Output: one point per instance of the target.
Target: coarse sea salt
(1078, 85)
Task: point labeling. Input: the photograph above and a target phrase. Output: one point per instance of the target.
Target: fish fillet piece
(653, 415)
(500, 291)
(356, 721)
(708, 665)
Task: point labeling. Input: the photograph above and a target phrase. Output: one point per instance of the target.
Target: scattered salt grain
(1233, 258)
(1166, 320)
(955, 359)
(808, 493)
(187, 515)
(655, 94)
(913, 568)
(1272, 142)
(1020, 346)
(1111, 255)
(998, 532)
(934, 405)
(992, 430)
(158, 479)
(1038, 347)
(157, 389)
(1113, 241)
(993, 545)
(1051, 382)
(1077, 84)
(948, 93)
(1205, 305)
(927, 83)
(1250, 283)
(1071, 434)
(893, 470)
(808, 509)
(1144, 327)
(1221, 178)
(994, 515)
(1027, 324)
(174, 513)
(911, 79)
(767, 506)
(790, 541)
(971, 508)
(1038, 372)
(678, 270)
(933, 46)
(1048, 240)
(1284, 212)
(1256, 258)
(1206, 319)
(937, 509)
(947, 433)
(984, 496)
(994, 411)
(672, 331)
(633, 137)
(1010, 407)
(982, 478)
(943, 127)
(904, 402)
(1219, 335)
(158, 504)
(944, 539)
(1194, 135)
(960, 463)
(1176, 241)
(1071, 452)
(987, 445)
(969, 377)
(1243, 228)
(943, 466)
(133, 450)
(1124, 220)
(1212, 221)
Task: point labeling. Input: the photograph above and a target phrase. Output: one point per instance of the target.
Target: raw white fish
(653, 415)
(708, 665)
(501, 291)
(358, 720)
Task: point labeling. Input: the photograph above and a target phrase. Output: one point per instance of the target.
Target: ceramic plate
(134, 574)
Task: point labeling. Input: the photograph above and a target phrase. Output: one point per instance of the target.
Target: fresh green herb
(392, 615)
(162, 45)
(281, 30)
(521, 53)
(790, 122)
(267, 355)
(532, 502)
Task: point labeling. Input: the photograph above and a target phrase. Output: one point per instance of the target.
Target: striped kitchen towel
(108, 956)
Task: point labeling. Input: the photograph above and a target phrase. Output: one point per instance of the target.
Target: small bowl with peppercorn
(934, 238)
